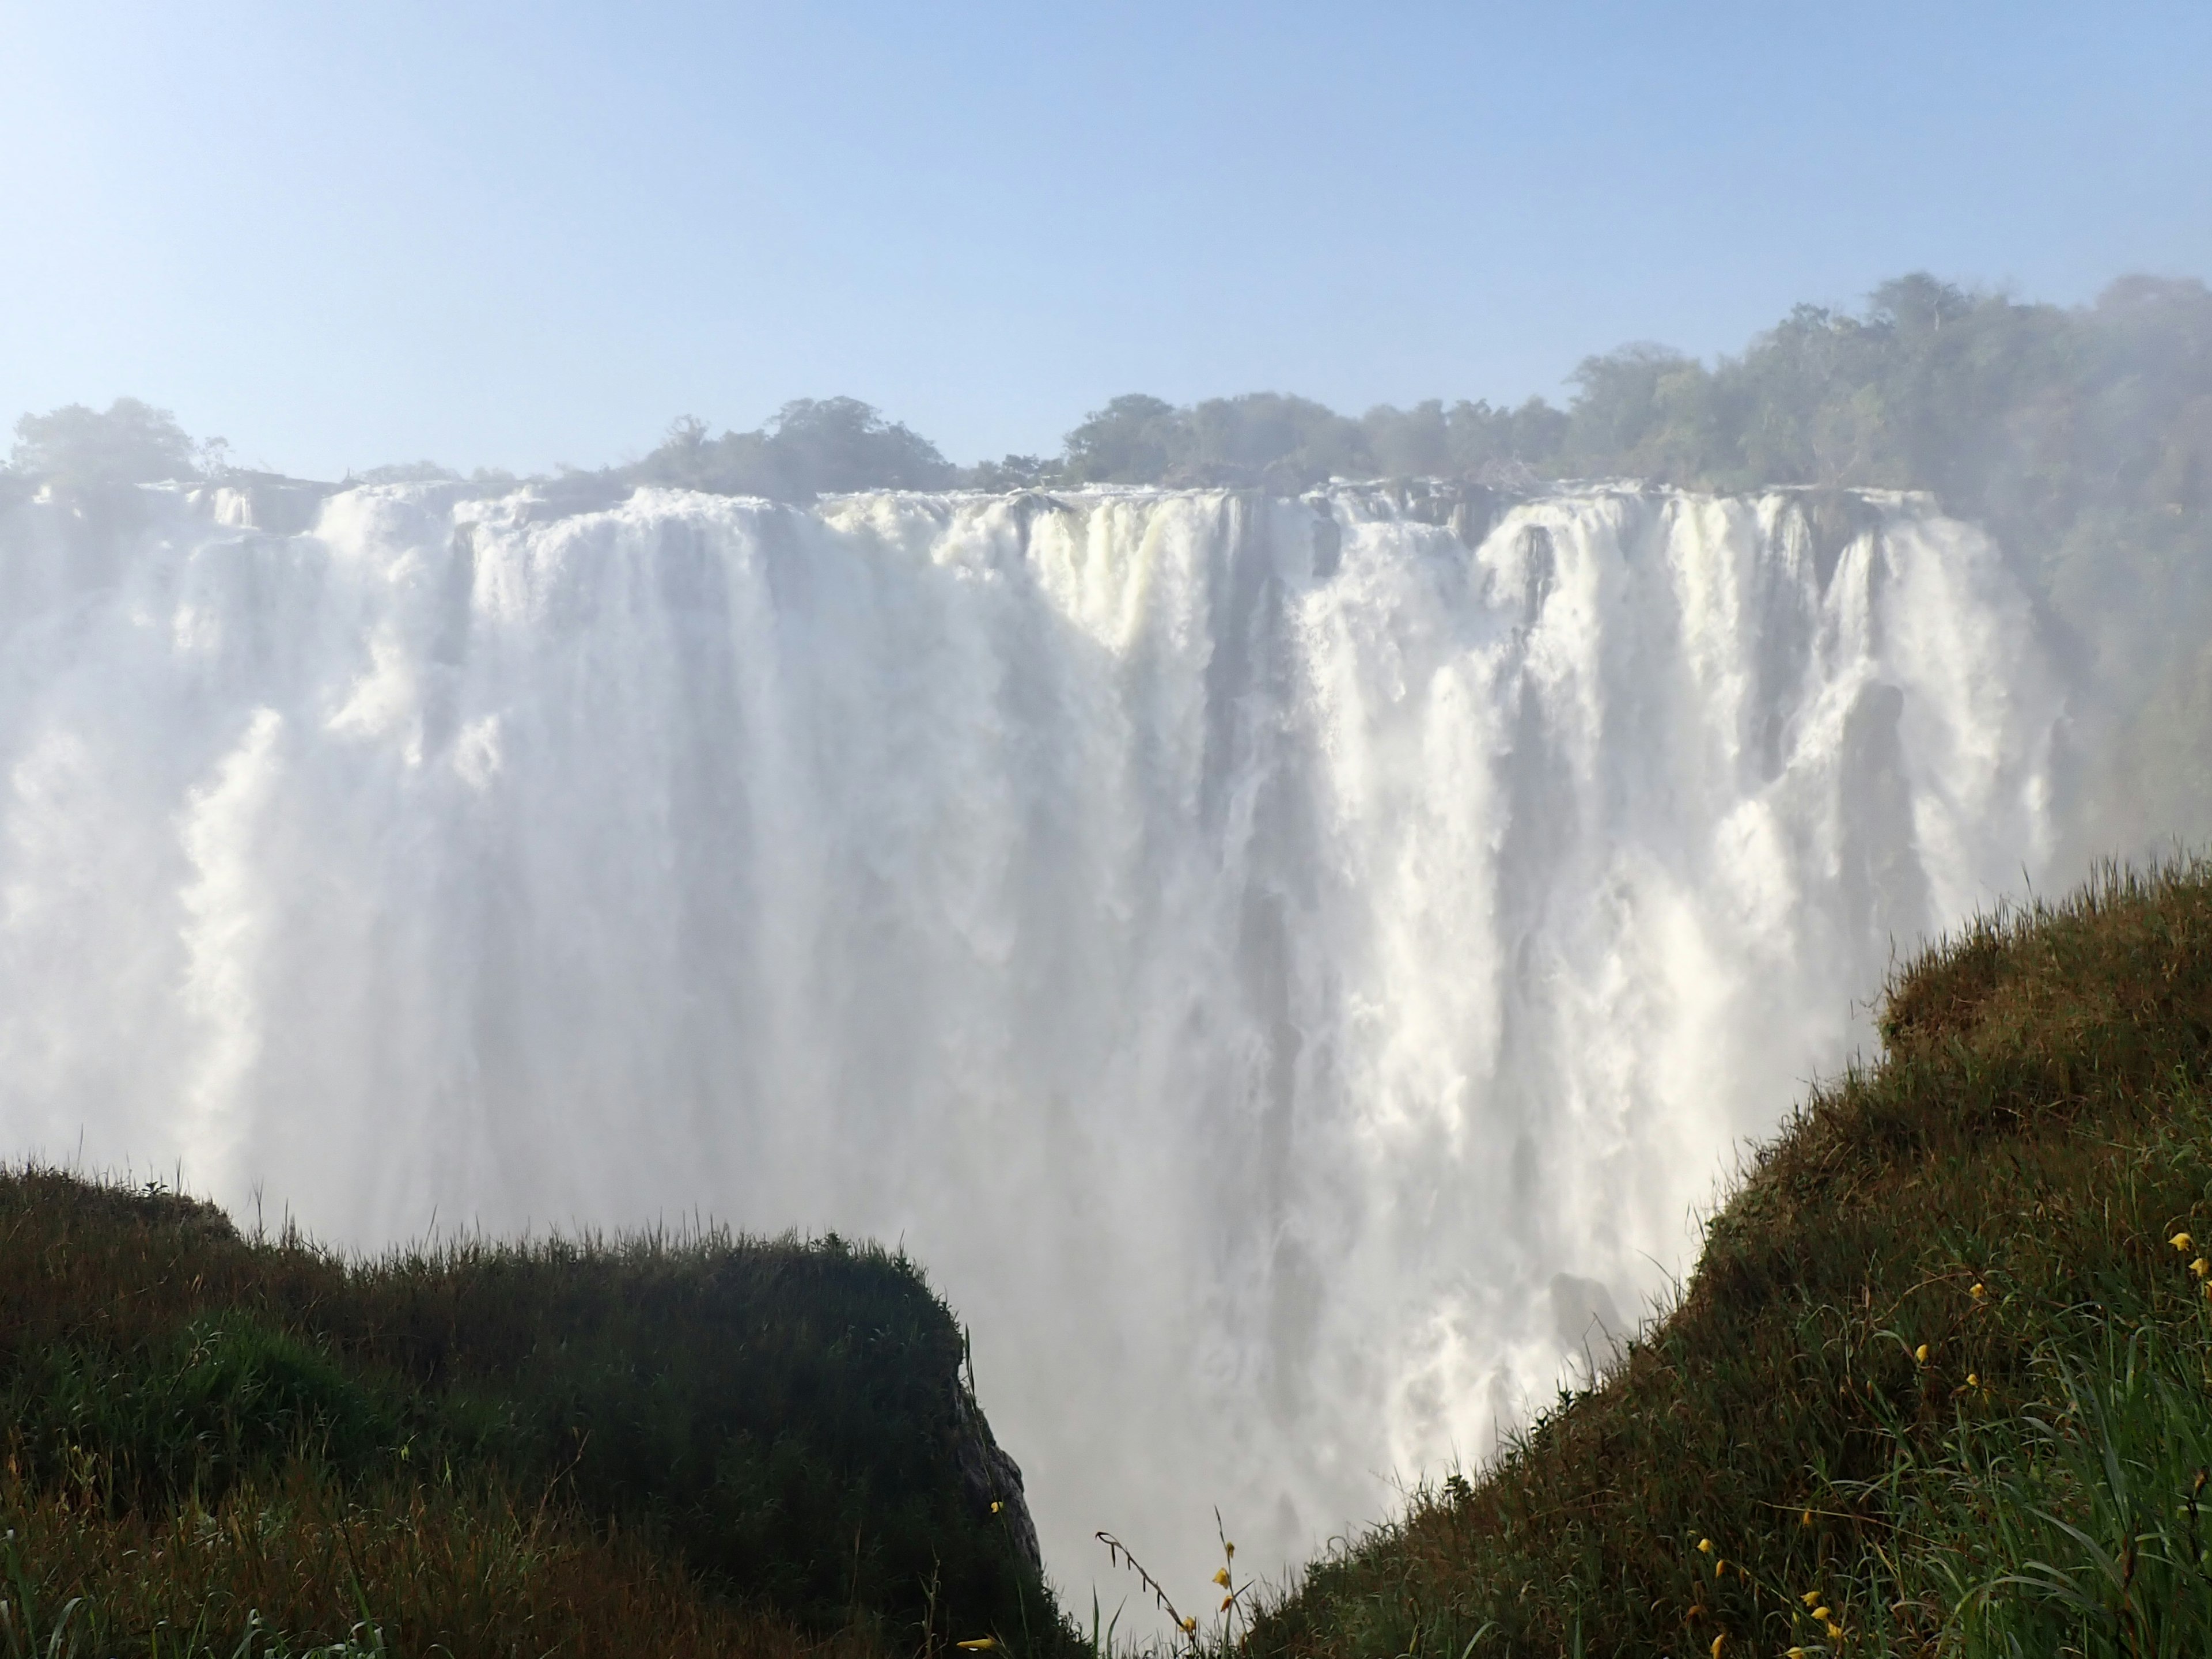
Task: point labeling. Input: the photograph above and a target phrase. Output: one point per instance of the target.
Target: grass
(217, 1444)
(1942, 1383)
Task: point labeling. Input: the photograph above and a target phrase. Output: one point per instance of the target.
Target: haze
(515, 236)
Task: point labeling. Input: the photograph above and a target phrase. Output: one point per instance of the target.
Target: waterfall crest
(1293, 970)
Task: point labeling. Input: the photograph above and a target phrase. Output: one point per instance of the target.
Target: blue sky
(517, 235)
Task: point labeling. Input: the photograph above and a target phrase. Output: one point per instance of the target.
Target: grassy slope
(2003, 1188)
(718, 1445)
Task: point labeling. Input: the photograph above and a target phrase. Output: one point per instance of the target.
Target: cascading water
(1292, 969)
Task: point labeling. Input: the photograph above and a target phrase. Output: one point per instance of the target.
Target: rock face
(990, 1477)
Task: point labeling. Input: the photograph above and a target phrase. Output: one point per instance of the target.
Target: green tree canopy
(813, 446)
(1135, 439)
(129, 442)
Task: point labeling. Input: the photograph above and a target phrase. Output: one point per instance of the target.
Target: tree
(1010, 473)
(841, 443)
(129, 443)
(1135, 439)
(814, 446)
(1267, 439)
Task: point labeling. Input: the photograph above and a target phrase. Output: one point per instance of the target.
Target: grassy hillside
(712, 1445)
(1942, 1381)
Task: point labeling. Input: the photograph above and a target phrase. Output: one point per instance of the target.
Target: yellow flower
(1719, 1642)
(1189, 1626)
(1705, 1546)
(1835, 1632)
(2201, 1267)
(996, 1506)
(1807, 1519)
(2183, 1243)
(1810, 1598)
(1920, 1353)
(1221, 1577)
(1973, 1379)
(1229, 1549)
(1820, 1613)
(1227, 1603)
(1980, 1292)
(981, 1644)
(1719, 1567)
(1796, 1653)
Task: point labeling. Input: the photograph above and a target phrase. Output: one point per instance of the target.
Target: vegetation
(1942, 1381)
(129, 442)
(812, 445)
(700, 1445)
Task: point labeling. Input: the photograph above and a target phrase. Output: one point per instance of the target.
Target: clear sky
(516, 235)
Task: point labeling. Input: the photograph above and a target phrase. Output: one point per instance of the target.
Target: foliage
(128, 443)
(707, 1430)
(1469, 440)
(296, 1564)
(1135, 439)
(812, 447)
(1944, 1370)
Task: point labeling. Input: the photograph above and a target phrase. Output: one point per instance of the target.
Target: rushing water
(1292, 969)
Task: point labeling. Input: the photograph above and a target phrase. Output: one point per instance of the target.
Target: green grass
(2001, 1190)
(682, 1445)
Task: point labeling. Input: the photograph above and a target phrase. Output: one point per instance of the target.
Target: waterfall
(1293, 970)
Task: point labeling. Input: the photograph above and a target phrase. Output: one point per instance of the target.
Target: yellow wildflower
(1980, 1292)
(1221, 1577)
(1705, 1546)
(1807, 1519)
(1820, 1613)
(1796, 1653)
(1227, 1603)
(1190, 1626)
(1973, 1379)
(996, 1506)
(981, 1644)
(1920, 1353)
(2183, 1243)
(1229, 1549)
(1719, 1642)
(2201, 1267)
(1720, 1566)
(1810, 1598)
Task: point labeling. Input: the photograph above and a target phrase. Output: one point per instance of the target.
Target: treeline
(2081, 436)
(2024, 416)
(2009, 411)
